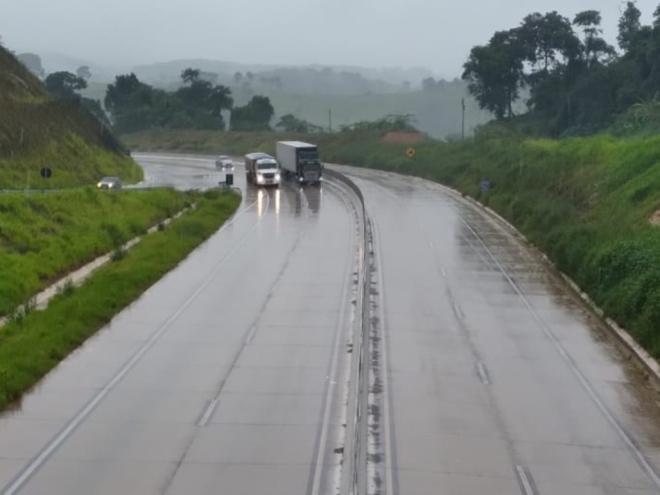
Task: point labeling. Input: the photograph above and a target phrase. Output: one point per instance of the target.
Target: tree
(629, 26)
(594, 47)
(33, 63)
(64, 85)
(238, 77)
(548, 41)
(256, 115)
(495, 73)
(84, 72)
(190, 76)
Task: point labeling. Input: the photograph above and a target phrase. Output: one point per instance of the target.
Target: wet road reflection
(499, 379)
(222, 377)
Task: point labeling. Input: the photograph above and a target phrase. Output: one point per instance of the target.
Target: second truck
(300, 161)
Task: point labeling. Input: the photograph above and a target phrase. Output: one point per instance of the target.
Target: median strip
(34, 344)
(76, 278)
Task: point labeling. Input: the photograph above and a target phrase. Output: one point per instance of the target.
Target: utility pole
(463, 119)
(329, 119)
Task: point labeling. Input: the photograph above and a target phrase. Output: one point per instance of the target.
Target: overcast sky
(437, 34)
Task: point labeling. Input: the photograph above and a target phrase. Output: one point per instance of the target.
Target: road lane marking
(525, 480)
(38, 461)
(586, 385)
(251, 334)
(484, 376)
(210, 409)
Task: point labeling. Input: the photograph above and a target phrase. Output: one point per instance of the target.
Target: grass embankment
(586, 202)
(38, 131)
(33, 345)
(45, 236)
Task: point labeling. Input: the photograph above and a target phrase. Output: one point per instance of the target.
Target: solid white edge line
(525, 483)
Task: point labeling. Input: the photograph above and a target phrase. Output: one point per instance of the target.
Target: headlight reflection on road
(261, 199)
(277, 201)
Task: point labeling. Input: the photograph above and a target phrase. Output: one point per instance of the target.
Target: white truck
(301, 161)
(262, 170)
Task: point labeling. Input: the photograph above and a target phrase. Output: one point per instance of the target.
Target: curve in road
(233, 374)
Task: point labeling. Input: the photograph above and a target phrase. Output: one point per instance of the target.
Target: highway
(235, 373)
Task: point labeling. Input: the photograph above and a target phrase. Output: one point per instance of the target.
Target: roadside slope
(45, 236)
(586, 202)
(33, 345)
(38, 131)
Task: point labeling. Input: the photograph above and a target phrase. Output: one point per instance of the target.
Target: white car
(109, 183)
(224, 162)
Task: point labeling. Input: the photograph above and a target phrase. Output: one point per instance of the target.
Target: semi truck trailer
(300, 161)
(262, 170)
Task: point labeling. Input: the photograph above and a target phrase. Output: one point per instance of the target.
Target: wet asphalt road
(229, 376)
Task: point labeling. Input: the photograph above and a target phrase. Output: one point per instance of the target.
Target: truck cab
(262, 170)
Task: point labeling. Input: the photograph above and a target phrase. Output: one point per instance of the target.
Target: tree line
(572, 81)
(197, 104)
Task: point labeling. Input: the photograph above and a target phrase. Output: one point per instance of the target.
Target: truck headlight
(260, 179)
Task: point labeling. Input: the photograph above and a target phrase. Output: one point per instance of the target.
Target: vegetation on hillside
(32, 345)
(575, 81)
(39, 130)
(45, 236)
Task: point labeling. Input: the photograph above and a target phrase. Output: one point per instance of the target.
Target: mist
(405, 33)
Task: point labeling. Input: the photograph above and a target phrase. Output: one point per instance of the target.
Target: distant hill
(38, 131)
(436, 111)
(308, 79)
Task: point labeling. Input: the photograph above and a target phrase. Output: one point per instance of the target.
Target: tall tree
(629, 26)
(495, 73)
(594, 48)
(548, 41)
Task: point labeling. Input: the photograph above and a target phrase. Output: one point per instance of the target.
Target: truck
(300, 161)
(262, 170)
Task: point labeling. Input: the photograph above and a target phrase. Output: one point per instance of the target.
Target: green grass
(44, 236)
(33, 345)
(37, 131)
(585, 202)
